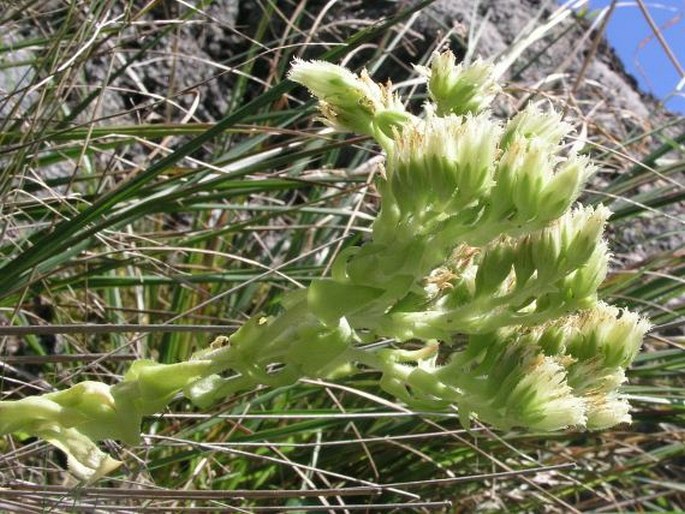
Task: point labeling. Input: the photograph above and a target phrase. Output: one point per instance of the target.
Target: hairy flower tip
(543, 400)
(348, 102)
(581, 231)
(440, 165)
(609, 336)
(605, 411)
(531, 123)
(458, 88)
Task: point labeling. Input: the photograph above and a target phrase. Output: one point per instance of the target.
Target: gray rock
(181, 68)
(15, 76)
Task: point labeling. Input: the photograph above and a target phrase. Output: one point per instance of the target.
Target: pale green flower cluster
(477, 236)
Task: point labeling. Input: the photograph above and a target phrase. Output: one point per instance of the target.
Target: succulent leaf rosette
(478, 239)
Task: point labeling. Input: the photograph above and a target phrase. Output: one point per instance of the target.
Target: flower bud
(459, 89)
(546, 251)
(521, 176)
(582, 231)
(347, 101)
(524, 266)
(476, 152)
(563, 187)
(552, 339)
(494, 267)
(532, 175)
(389, 121)
(531, 123)
(584, 281)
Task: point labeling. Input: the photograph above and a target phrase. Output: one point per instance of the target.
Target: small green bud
(524, 265)
(476, 153)
(522, 172)
(494, 267)
(546, 251)
(389, 122)
(531, 176)
(348, 102)
(582, 231)
(564, 187)
(459, 89)
(552, 339)
(506, 177)
(531, 123)
(585, 280)
(328, 81)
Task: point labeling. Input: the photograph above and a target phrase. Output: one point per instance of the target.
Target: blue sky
(642, 54)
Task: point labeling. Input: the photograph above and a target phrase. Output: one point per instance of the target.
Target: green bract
(476, 236)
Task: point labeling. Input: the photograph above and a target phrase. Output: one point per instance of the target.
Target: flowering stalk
(476, 236)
